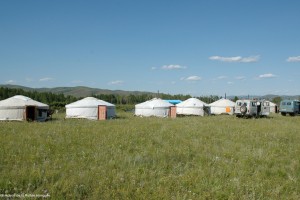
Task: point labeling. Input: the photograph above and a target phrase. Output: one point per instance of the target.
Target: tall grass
(215, 157)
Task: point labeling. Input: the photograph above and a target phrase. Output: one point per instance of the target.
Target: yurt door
(30, 113)
(102, 112)
(228, 109)
(173, 112)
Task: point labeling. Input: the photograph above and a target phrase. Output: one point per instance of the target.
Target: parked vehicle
(291, 107)
(252, 108)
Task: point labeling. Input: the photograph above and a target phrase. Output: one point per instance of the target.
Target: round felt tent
(89, 108)
(191, 106)
(273, 107)
(23, 108)
(222, 106)
(154, 107)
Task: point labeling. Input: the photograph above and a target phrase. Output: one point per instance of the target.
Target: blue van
(291, 107)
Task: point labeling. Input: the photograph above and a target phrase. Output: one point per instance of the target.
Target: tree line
(58, 101)
(55, 101)
(139, 98)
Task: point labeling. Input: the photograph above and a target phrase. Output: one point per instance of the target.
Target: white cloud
(153, 68)
(117, 82)
(240, 77)
(29, 80)
(11, 82)
(235, 59)
(293, 59)
(250, 59)
(230, 83)
(46, 79)
(172, 67)
(221, 77)
(191, 78)
(226, 59)
(267, 76)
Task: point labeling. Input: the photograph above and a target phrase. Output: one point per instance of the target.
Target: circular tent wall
(273, 107)
(191, 106)
(222, 106)
(154, 107)
(88, 108)
(23, 108)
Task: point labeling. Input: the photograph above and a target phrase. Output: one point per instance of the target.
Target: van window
(289, 103)
(239, 103)
(253, 104)
(266, 104)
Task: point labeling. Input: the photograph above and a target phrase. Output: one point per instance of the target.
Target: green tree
(277, 100)
(235, 99)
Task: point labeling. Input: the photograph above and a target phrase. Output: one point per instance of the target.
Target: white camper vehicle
(252, 108)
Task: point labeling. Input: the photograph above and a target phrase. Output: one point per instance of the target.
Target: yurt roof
(272, 104)
(173, 101)
(154, 103)
(222, 103)
(89, 102)
(20, 101)
(192, 103)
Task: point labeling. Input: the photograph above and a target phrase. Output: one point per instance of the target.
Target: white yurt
(191, 106)
(222, 106)
(23, 108)
(89, 108)
(273, 107)
(154, 107)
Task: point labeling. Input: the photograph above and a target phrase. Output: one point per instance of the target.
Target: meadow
(213, 157)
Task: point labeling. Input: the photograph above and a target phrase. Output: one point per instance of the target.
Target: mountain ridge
(77, 91)
(84, 91)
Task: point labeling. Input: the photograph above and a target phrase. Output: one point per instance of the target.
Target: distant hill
(79, 91)
(82, 91)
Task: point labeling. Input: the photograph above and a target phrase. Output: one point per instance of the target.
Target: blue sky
(191, 47)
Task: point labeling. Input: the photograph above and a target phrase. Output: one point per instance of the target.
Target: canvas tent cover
(154, 107)
(14, 107)
(88, 108)
(272, 107)
(191, 106)
(222, 106)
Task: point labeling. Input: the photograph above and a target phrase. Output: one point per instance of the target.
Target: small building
(154, 107)
(90, 108)
(23, 108)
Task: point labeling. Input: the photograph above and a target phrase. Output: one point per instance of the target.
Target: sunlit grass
(215, 157)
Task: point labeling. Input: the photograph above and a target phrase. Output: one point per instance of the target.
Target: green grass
(216, 157)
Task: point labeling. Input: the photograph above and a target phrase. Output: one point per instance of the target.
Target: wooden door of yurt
(30, 113)
(172, 113)
(102, 112)
(228, 109)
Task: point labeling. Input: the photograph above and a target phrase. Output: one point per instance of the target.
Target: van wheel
(243, 109)
(292, 114)
(283, 114)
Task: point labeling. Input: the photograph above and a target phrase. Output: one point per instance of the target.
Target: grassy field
(215, 157)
